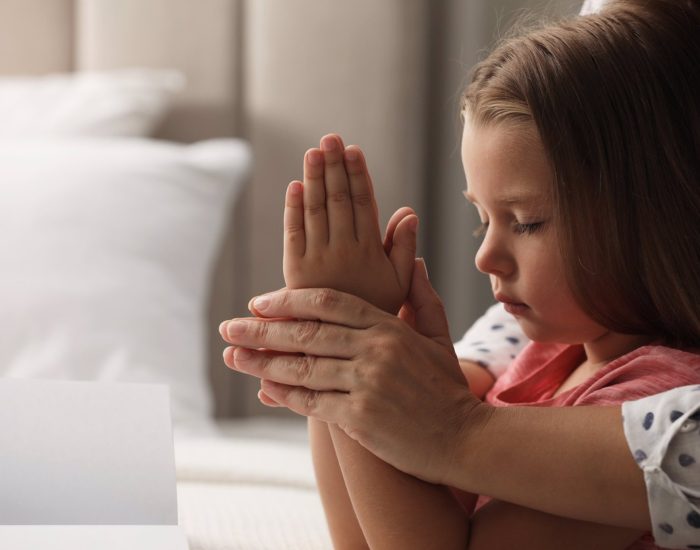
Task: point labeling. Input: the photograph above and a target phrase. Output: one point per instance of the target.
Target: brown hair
(615, 100)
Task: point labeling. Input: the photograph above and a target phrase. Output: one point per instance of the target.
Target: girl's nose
(493, 257)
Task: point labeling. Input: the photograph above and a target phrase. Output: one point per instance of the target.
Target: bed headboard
(275, 72)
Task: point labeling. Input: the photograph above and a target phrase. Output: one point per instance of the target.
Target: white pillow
(127, 102)
(106, 251)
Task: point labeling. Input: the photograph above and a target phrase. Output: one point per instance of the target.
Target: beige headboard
(279, 73)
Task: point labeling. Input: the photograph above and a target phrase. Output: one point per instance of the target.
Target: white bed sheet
(248, 485)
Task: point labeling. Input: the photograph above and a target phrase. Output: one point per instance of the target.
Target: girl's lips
(510, 305)
(515, 309)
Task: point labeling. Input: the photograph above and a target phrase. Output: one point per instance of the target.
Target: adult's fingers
(315, 373)
(324, 304)
(295, 336)
(329, 406)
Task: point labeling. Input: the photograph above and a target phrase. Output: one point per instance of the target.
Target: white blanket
(249, 485)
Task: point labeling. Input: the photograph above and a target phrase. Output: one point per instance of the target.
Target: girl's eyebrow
(524, 198)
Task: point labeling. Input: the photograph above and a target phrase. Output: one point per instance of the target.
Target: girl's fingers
(397, 216)
(314, 199)
(364, 206)
(294, 233)
(403, 250)
(338, 205)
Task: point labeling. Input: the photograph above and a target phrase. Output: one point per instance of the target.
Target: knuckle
(362, 199)
(310, 401)
(294, 230)
(315, 209)
(306, 331)
(326, 298)
(333, 159)
(339, 197)
(259, 330)
(303, 365)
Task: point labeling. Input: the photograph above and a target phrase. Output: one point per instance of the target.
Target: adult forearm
(397, 510)
(571, 462)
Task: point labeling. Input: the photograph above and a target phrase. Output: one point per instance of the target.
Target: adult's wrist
(472, 436)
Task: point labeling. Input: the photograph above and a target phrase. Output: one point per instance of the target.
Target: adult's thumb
(429, 312)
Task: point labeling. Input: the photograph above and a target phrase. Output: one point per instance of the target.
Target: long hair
(615, 99)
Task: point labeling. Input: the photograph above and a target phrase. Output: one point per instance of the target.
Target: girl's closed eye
(518, 228)
(528, 228)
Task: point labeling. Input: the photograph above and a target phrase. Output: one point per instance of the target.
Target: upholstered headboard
(275, 72)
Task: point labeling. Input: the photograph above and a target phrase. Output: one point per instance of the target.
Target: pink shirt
(540, 369)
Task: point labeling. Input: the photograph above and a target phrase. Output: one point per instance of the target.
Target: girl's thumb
(428, 309)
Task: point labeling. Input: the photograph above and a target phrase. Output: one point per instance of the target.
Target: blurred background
(277, 74)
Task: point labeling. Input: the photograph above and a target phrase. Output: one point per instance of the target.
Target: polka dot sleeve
(493, 341)
(663, 433)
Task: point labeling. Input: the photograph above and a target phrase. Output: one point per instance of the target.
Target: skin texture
(343, 357)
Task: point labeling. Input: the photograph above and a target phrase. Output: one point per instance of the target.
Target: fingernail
(315, 157)
(261, 303)
(351, 154)
(222, 327)
(242, 354)
(413, 224)
(235, 327)
(329, 144)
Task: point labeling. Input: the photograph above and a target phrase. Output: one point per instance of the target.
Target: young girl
(589, 220)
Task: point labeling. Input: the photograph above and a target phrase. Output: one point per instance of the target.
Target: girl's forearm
(572, 462)
(397, 510)
(344, 529)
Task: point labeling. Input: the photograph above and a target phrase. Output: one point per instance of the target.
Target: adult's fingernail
(261, 303)
(222, 327)
(235, 327)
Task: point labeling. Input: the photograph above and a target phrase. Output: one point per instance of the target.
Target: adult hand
(397, 389)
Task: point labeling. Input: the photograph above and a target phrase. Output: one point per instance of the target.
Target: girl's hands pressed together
(331, 231)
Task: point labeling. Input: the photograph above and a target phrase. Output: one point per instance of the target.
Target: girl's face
(508, 180)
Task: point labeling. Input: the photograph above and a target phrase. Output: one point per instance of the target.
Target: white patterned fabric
(493, 341)
(663, 433)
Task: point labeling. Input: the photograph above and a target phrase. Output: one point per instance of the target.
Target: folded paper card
(86, 461)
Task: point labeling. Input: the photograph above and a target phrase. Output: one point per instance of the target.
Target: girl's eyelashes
(528, 228)
(518, 228)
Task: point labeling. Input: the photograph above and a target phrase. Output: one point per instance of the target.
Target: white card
(92, 537)
(86, 453)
